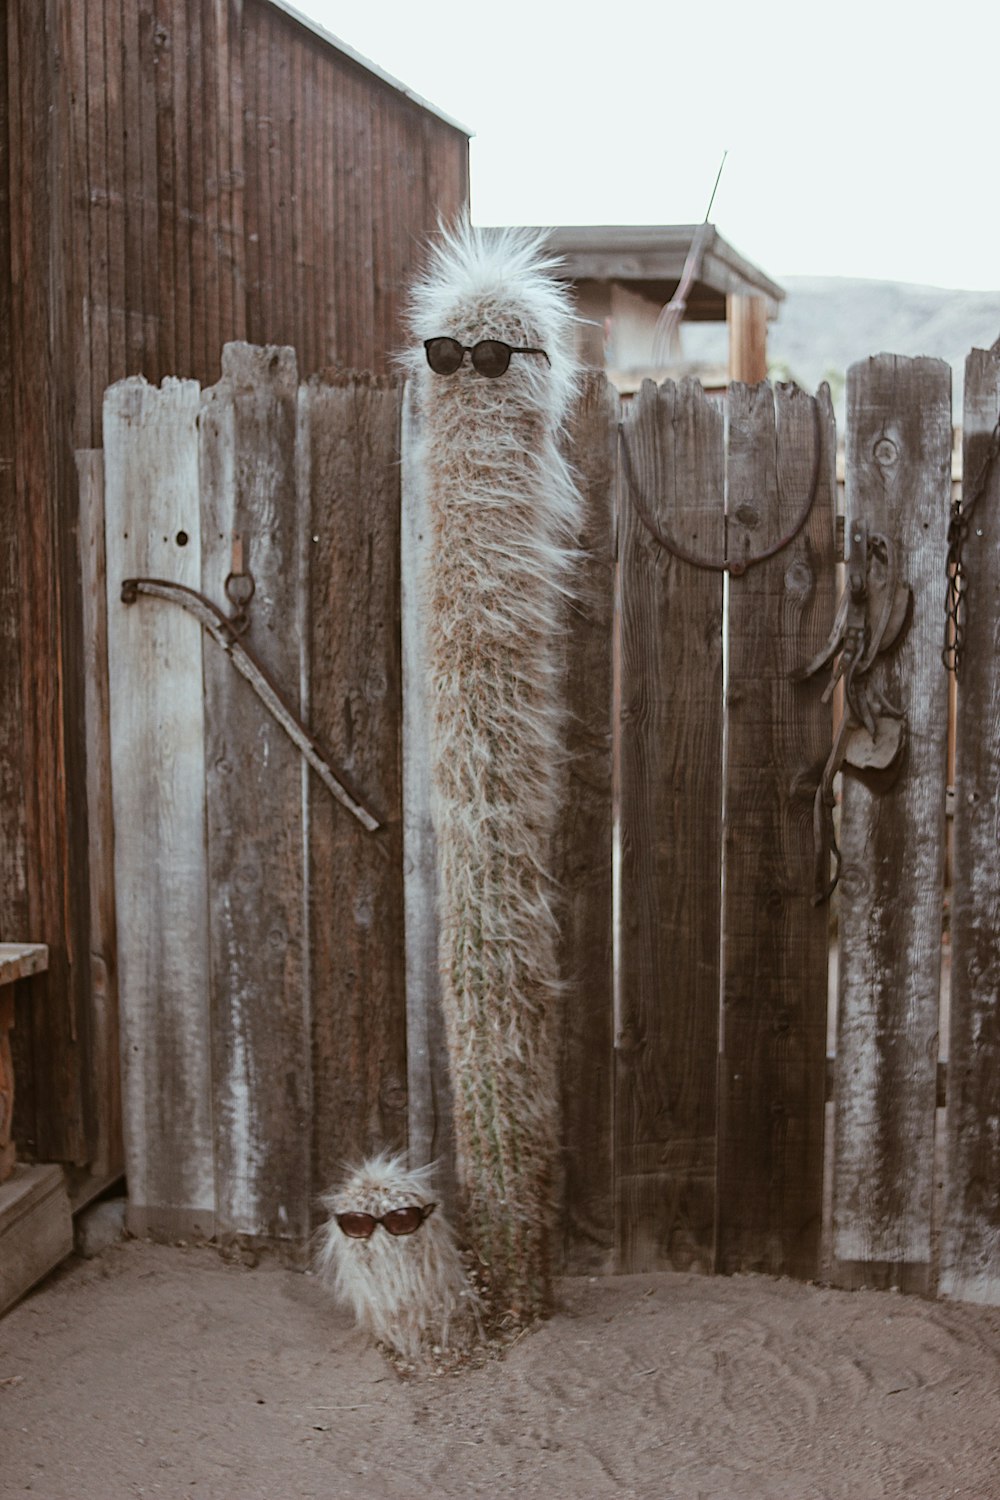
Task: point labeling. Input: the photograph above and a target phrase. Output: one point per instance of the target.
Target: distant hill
(828, 322)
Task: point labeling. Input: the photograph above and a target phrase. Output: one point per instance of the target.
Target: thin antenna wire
(666, 334)
(722, 163)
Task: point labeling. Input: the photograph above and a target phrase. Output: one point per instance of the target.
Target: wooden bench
(17, 961)
(36, 1226)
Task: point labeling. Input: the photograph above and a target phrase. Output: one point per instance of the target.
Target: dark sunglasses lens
(403, 1220)
(491, 358)
(357, 1226)
(444, 355)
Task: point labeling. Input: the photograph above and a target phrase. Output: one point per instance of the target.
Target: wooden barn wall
(173, 175)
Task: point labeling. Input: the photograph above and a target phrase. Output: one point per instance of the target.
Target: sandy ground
(166, 1372)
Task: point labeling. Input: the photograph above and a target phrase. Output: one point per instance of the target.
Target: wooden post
(255, 813)
(747, 319)
(349, 470)
(775, 943)
(892, 847)
(970, 1236)
(153, 529)
(105, 1062)
(670, 791)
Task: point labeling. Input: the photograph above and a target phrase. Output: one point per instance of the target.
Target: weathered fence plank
(583, 856)
(254, 802)
(349, 435)
(666, 1032)
(430, 1131)
(970, 1238)
(104, 1058)
(782, 448)
(892, 846)
(157, 741)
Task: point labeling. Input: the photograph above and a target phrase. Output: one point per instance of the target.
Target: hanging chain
(955, 604)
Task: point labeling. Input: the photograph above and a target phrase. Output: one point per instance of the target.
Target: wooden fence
(278, 963)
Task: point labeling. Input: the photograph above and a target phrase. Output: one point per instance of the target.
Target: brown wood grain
(583, 854)
(105, 109)
(13, 830)
(892, 844)
(773, 1052)
(45, 514)
(970, 1238)
(670, 810)
(105, 1075)
(254, 808)
(351, 429)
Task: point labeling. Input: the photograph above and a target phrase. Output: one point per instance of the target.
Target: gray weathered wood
(666, 1033)
(158, 777)
(430, 1128)
(36, 1228)
(104, 1060)
(583, 854)
(254, 778)
(349, 432)
(970, 1235)
(774, 997)
(892, 843)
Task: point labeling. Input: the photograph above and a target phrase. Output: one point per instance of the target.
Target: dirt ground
(167, 1372)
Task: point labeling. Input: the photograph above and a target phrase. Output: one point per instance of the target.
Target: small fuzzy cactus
(408, 1290)
(503, 510)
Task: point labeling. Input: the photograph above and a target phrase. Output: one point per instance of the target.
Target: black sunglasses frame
(425, 1211)
(473, 350)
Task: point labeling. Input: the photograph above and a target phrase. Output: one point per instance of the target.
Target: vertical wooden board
(234, 128)
(13, 844)
(669, 792)
(158, 781)
(44, 516)
(117, 199)
(164, 63)
(970, 1233)
(583, 856)
(249, 74)
(255, 813)
(351, 428)
(131, 127)
(430, 1131)
(782, 450)
(184, 265)
(96, 189)
(892, 847)
(145, 64)
(108, 1159)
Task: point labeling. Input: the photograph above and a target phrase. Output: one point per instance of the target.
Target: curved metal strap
(246, 663)
(735, 567)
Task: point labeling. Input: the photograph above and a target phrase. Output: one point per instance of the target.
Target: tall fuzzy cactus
(502, 509)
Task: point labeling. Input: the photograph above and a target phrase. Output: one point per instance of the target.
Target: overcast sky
(863, 138)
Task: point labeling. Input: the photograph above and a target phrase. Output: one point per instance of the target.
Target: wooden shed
(623, 275)
(173, 175)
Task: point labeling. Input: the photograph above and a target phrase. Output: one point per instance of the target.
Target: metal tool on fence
(871, 732)
(227, 632)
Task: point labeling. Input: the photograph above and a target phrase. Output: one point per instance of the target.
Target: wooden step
(36, 1228)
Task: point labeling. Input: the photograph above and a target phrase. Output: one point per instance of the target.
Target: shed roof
(649, 259)
(363, 62)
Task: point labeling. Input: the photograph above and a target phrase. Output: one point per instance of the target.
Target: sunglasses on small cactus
(397, 1221)
(490, 357)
